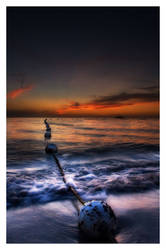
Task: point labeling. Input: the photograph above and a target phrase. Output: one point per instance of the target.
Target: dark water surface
(109, 159)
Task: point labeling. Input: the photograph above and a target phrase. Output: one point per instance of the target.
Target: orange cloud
(111, 102)
(17, 92)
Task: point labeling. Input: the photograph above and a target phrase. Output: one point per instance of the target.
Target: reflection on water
(123, 203)
(86, 131)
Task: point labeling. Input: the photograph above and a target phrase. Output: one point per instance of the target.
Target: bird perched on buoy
(47, 125)
(48, 130)
(97, 220)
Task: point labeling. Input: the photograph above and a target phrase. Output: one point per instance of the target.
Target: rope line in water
(72, 189)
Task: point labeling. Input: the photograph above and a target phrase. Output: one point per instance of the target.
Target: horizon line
(83, 116)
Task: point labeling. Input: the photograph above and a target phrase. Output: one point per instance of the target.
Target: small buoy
(47, 134)
(51, 148)
(47, 125)
(48, 129)
(97, 220)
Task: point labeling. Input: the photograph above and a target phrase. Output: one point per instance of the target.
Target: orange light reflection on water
(82, 131)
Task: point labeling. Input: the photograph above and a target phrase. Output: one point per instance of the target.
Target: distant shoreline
(86, 117)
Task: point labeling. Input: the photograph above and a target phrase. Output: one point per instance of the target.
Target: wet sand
(56, 222)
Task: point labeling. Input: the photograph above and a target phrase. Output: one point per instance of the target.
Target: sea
(111, 159)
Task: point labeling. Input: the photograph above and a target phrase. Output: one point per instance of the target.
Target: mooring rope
(72, 189)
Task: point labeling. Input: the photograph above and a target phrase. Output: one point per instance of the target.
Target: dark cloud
(130, 98)
(150, 88)
(75, 104)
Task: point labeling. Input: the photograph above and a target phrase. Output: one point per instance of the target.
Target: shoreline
(57, 222)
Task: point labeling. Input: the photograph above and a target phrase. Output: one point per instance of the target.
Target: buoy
(47, 134)
(51, 148)
(48, 129)
(97, 220)
(45, 121)
(47, 125)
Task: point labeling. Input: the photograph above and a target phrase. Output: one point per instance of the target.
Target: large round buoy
(97, 220)
(51, 148)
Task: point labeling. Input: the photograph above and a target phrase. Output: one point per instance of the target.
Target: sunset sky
(101, 61)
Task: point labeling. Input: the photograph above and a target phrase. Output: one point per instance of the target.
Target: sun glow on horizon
(77, 109)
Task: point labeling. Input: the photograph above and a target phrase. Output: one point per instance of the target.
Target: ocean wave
(99, 157)
(30, 150)
(44, 183)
